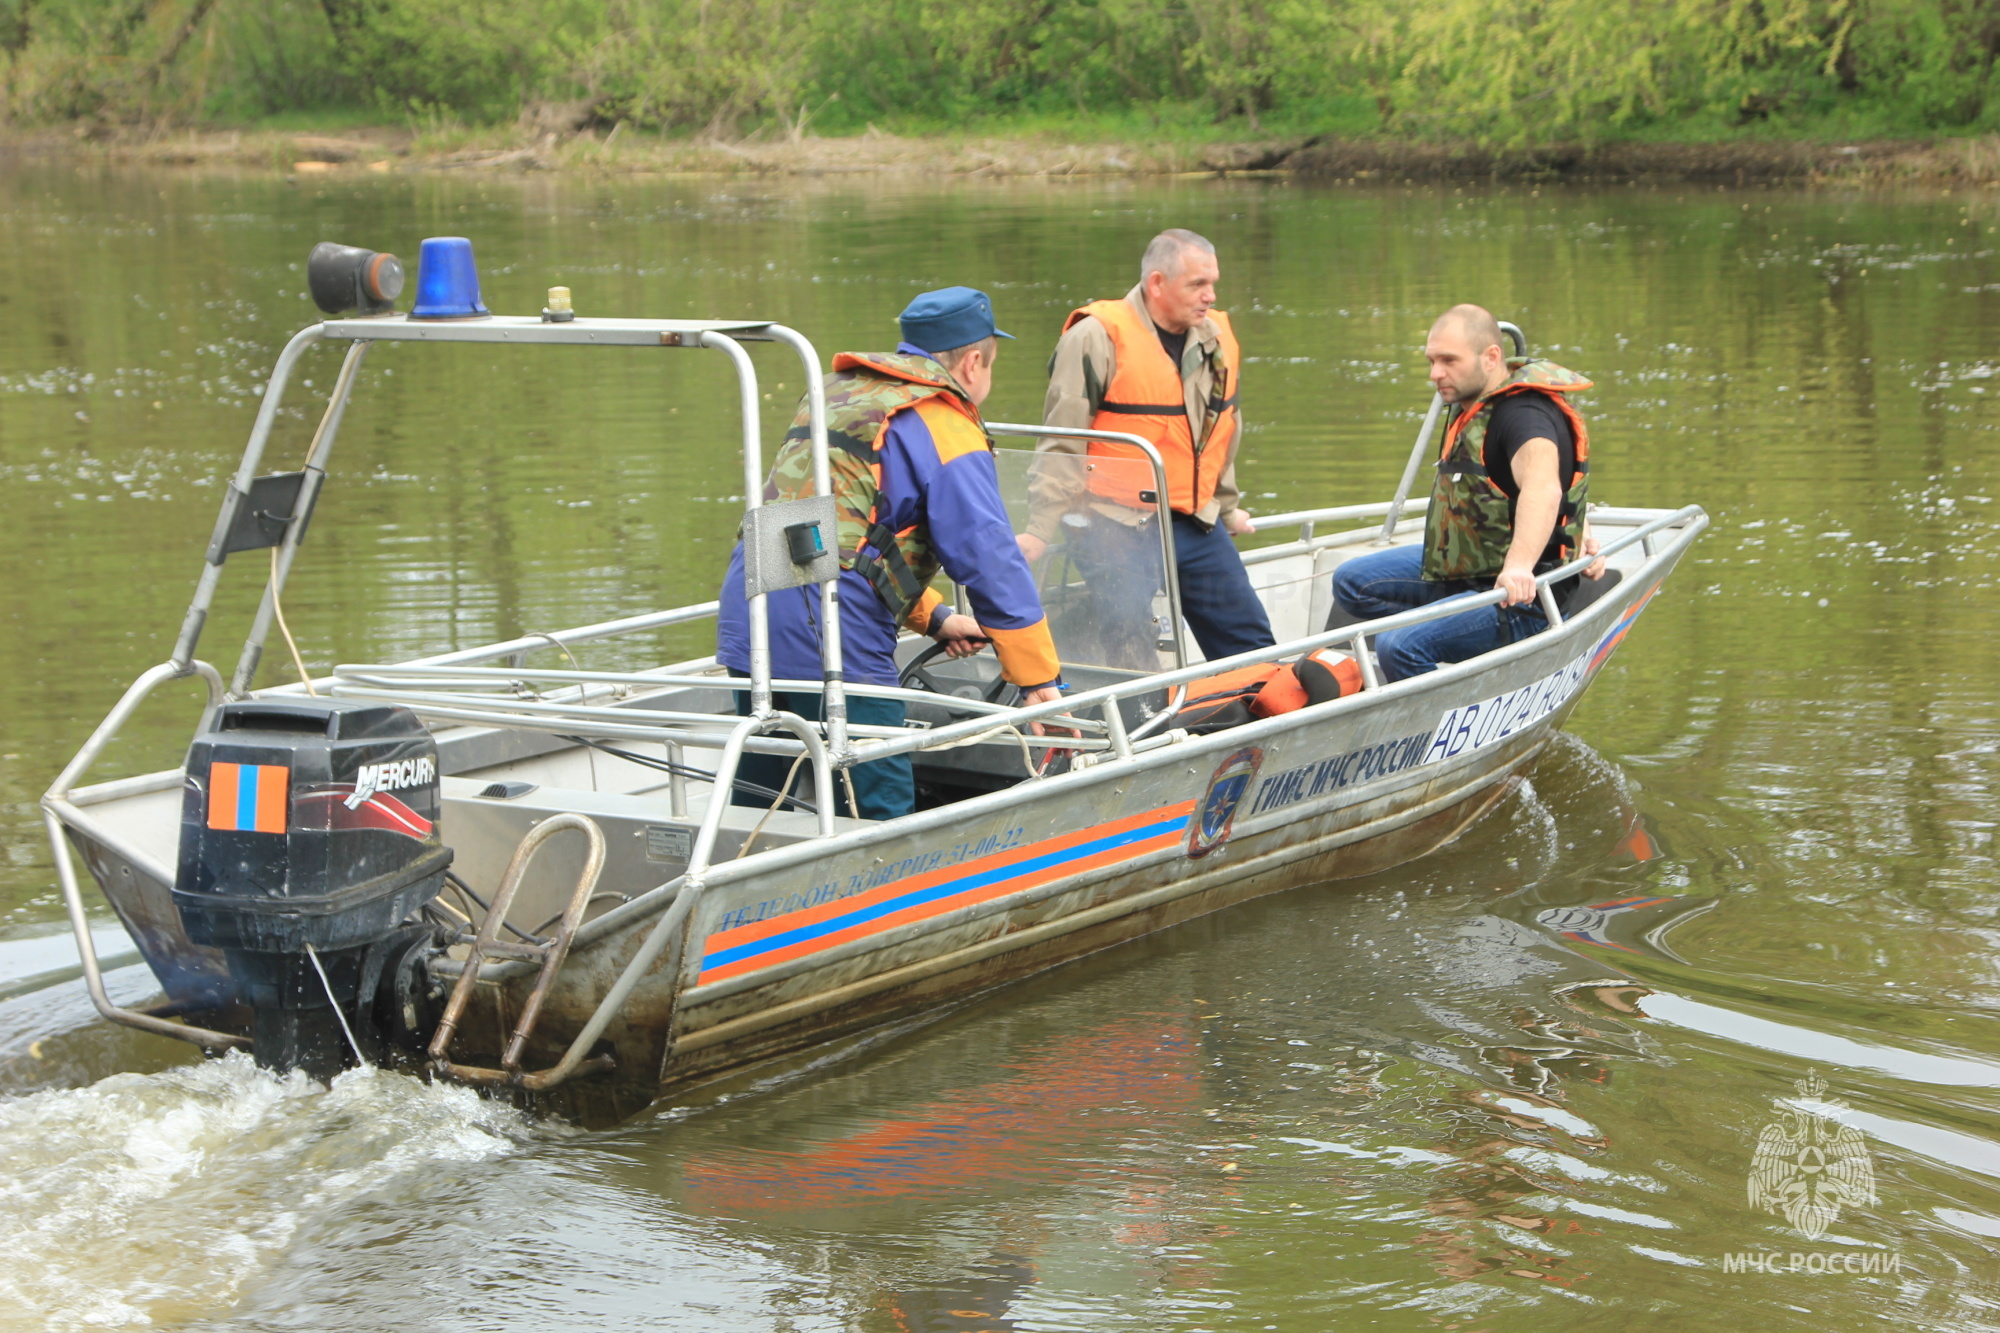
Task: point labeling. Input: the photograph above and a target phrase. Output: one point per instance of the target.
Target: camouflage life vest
(862, 393)
(1471, 520)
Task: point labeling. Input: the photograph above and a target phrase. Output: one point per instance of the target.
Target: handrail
(1346, 633)
(603, 629)
(550, 955)
(1107, 695)
(1409, 480)
(56, 804)
(1335, 514)
(559, 721)
(386, 677)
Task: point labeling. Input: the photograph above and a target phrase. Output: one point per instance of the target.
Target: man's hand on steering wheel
(960, 635)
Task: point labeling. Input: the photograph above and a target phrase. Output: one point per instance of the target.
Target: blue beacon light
(447, 281)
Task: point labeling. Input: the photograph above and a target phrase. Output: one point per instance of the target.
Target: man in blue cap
(916, 490)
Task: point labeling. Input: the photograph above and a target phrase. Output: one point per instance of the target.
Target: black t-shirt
(1516, 419)
(1174, 343)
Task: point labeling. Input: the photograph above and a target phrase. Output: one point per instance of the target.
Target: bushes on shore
(1511, 74)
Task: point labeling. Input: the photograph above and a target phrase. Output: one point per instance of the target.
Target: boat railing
(1692, 517)
(273, 512)
(422, 686)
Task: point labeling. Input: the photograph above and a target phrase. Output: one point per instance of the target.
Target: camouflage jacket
(862, 393)
(1471, 520)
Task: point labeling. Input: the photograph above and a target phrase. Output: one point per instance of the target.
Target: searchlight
(346, 277)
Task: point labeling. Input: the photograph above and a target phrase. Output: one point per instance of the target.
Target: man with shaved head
(1507, 504)
(1160, 363)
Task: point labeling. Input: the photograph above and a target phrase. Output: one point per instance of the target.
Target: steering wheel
(916, 676)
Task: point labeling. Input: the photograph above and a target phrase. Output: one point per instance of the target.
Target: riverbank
(550, 140)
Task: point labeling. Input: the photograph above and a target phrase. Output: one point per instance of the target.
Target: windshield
(1102, 580)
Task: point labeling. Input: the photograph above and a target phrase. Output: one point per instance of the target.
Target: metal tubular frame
(1417, 452)
(56, 805)
(246, 472)
(1353, 636)
(686, 889)
(408, 681)
(486, 940)
(753, 498)
(834, 702)
(725, 336)
(288, 548)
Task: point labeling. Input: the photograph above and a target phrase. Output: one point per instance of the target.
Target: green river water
(1405, 1102)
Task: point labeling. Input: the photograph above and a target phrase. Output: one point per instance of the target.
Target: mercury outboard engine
(309, 822)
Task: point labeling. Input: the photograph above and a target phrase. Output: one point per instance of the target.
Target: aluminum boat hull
(819, 937)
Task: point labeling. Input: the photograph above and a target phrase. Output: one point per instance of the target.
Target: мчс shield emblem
(1808, 1165)
(1226, 791)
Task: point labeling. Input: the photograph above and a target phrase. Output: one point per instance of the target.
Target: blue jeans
(884, 789)
(1387, 582)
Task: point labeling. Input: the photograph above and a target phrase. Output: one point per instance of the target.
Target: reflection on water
(1519, 1083)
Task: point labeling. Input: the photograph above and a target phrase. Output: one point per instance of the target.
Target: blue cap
(954, 317)
(447, 281)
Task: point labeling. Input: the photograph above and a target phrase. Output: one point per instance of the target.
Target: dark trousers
(1121, 565)
(1382, 584)
(885, 788)
(1217, 600)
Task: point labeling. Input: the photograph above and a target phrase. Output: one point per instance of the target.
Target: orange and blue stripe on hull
(728, 953)
(1619, 630)
(248, 798)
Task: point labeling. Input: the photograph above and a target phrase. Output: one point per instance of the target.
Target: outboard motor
(309, 822)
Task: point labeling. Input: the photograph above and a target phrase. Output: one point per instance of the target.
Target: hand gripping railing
(487, 943)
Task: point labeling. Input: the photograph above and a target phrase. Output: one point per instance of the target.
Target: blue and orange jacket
(935, 480)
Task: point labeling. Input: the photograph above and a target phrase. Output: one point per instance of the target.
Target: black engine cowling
(309, 822)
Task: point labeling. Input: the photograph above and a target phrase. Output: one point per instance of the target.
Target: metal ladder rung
(486, 944)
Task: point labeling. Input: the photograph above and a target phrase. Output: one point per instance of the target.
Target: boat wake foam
(156, 1198)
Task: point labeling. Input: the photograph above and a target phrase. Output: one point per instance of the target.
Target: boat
(533, 878)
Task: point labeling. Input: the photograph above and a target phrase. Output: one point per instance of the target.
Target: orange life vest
(1267, 689)
(1146, 398)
